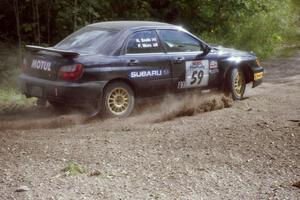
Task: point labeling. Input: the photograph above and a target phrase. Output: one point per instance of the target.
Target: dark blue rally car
(108, 65)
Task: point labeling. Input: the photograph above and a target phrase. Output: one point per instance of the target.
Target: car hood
(229, 52)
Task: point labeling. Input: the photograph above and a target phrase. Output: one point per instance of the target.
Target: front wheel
(118, 100)
(236, 84)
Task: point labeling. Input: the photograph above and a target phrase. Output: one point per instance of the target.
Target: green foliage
(263, 32)
(218, 18)
(258, 25)
(73, 168)
(12, 100)
(9, 65)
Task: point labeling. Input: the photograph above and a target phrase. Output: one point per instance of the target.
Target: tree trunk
(34, 20)
(17, 15)
(75, 15)
(48, 22)
(38, 21)
(89, 12)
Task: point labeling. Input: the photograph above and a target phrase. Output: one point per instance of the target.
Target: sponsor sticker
(213, 64)
(196, 74)
(149, 73)
(41, 65)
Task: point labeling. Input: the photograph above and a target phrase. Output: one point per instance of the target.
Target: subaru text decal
(149, 73)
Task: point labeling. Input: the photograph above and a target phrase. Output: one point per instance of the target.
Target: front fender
(248, 66)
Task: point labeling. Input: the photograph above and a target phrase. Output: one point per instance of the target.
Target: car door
(148, 67)
(189, 70)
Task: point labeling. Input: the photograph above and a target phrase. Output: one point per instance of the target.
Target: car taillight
(70, 72)
(24, 64)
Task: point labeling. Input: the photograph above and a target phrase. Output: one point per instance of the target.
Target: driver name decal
(147, 43)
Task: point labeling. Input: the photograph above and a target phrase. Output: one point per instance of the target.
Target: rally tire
(236, 84)
(118, 100)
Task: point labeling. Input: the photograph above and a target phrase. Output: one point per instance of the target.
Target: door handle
(133, 62)
(179, 60)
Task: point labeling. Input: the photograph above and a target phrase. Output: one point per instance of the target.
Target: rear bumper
(60, 91)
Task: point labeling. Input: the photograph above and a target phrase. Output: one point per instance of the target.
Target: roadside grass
(73, 168)
(12, 100)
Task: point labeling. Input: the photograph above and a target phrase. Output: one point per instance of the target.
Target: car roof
(121, 25)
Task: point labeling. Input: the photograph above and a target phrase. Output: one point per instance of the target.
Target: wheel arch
(124, 80)
(245, 67)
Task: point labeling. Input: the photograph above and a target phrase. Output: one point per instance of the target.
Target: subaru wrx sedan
(108, 65)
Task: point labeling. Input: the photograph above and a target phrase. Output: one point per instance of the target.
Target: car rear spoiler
(51, 49)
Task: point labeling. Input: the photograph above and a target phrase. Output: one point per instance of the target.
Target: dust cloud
(185, 105)
(192, 105)
(148, 111)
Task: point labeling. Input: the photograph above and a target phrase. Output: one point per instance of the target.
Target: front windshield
(86, 40)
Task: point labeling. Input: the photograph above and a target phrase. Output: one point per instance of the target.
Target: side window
(178, 41)
(144, 42)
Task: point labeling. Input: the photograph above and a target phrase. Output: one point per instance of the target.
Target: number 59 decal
(196, 74)
(197, 77)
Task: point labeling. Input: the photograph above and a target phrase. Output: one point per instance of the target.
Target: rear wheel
(236, 84)
(118, 100)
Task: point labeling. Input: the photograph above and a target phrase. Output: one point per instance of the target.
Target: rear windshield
(86, 40)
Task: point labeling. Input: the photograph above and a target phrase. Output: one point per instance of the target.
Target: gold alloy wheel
(118, 101)
(239, 83)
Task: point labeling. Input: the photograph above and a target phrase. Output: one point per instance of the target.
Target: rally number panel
(196, 74)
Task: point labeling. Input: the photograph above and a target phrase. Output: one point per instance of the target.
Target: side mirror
(206, 50)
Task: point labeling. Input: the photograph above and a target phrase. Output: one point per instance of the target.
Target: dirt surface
(184, 147)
